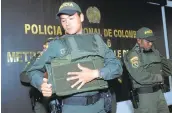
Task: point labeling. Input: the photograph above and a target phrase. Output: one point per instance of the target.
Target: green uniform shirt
(144, 67)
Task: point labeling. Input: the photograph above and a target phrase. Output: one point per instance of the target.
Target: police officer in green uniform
(71, 19)
(146, 68)
(35, 95)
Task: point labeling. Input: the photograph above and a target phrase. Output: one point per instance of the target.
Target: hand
(86, 75)
(46, 88)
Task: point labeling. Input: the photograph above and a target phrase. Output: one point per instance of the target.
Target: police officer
(71, 18)
(35, 95)
(145, 65)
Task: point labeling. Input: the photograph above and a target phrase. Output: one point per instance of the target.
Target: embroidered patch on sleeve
(134, 62)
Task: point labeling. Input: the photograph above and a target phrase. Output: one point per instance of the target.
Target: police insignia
(93, 14)
(134, 62)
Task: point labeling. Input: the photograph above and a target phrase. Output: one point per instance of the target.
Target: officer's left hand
(84, 76)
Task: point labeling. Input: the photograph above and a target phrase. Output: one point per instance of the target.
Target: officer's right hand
(46, 88)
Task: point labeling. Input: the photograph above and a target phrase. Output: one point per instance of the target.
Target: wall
(26, 24)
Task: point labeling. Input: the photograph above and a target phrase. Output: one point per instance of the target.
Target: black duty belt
(82, 100)
(149, 89)
(35, 94)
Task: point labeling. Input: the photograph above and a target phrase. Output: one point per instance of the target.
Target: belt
(148, 89)
(82, 100)
(35, 95)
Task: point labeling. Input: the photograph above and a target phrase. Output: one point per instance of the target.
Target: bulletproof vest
(86, 49)
(152, 63)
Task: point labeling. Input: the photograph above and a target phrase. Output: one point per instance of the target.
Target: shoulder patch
(135, 62)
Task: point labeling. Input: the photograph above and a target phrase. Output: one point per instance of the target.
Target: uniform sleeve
(36, 72)
(23, 75)
(166, 66)
(112, 65)
(135, 68)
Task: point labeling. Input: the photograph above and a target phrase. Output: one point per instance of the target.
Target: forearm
(36, 78)
(166, 67)
(112, 66)
(170, 66)
(111, 71)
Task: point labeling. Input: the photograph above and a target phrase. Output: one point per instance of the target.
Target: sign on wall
(26, 24)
